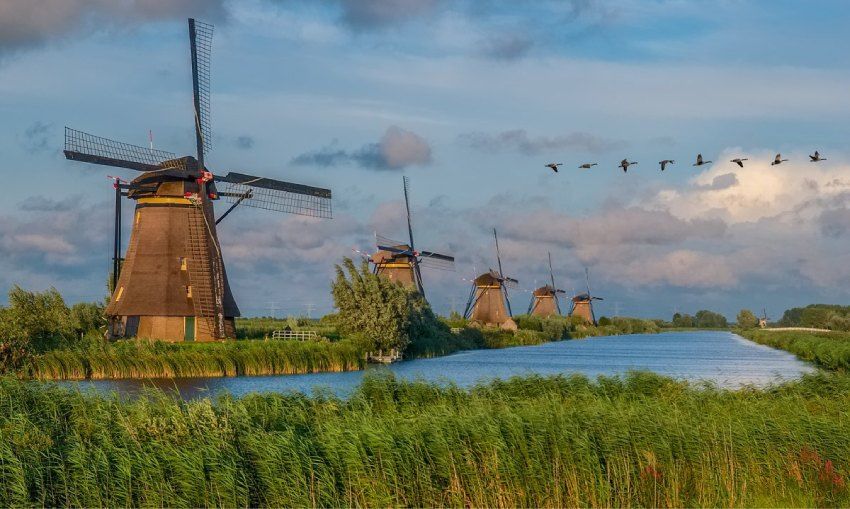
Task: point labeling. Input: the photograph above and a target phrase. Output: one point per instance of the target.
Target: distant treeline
(704, 319)
(819, 316)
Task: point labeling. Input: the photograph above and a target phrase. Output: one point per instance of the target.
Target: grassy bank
(556, 442)
(144, 359)
(830, 350)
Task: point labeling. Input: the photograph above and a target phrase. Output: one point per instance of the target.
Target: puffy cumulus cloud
(56, 243)
(518, 140)
(680, 267)
(29, 23)
(397, 149)
(758, 190)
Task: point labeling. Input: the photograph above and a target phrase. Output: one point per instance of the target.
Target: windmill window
(120, 293)
(138, 217)
(183, 265)
(189, 291)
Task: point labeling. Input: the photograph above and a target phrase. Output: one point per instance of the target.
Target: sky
(469, 99)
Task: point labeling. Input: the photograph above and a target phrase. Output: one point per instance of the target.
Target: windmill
(401, 262)
(544, 300)
(582, 304)
(173, 274)
(764, 319)
(488, 302)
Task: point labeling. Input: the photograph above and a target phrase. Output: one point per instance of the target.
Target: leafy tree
(686, 320)
(383, 313)
(87, 317)
(604, 321)
(747, 319)
(710, 319)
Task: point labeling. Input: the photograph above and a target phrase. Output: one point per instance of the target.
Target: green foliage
(640, 440)
(683, 320)
(830, 350)
(156, 359)
(704, 319)
(819, 316)
(35, 322)
(384, 314)
(604, 321)
(746, 319)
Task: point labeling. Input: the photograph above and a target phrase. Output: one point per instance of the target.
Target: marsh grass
(640, 440)
(830, 350)
(145, 359)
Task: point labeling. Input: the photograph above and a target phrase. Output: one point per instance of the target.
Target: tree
(385, 314)
(709, 319)
(686, 321)
(747, 319)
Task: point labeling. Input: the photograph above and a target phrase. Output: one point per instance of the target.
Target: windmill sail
(200, 41)
(88, 148)
(277, 195)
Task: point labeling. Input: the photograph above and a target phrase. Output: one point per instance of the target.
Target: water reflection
(723, 358)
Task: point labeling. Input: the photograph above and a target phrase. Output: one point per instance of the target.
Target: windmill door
(189, 328)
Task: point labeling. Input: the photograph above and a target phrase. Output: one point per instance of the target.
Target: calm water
(720, 357)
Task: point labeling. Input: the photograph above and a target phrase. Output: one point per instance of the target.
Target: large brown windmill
(172, 284)
(401, 262)
(582, 304)
(544, 300)
(488, 302)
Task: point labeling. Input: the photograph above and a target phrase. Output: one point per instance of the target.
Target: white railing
(300, 335)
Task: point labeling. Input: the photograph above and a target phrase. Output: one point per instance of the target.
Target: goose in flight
(778, 160)
(665, 162)
(625, 163)
(739, 161)
(700, 162)
(816, 158)
(553, 166)
(587, 166)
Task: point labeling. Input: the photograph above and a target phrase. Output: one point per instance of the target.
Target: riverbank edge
(826, 349)
(134, 360)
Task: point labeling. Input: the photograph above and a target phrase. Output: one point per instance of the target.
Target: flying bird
(625, 163)
(587, 166)
(816, 158)
(700, 162)
(778, 160)
(739, 161)
(665, 162)
(553, 166)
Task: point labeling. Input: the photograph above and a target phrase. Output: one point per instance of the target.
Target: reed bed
(143, 359)
(830, 350)
(640, 440)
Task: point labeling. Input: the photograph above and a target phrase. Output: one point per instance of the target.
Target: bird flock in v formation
(625, 163)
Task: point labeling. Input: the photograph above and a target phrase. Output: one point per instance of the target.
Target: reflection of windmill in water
(582, 304)
(488, 302)
(544, 300)
(401, 262)
(174, 273)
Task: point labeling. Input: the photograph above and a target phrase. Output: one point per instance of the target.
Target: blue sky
(470, 100)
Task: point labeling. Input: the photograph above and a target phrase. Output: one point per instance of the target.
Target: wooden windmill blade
(200, 45)
(277, 195)
(88, 148)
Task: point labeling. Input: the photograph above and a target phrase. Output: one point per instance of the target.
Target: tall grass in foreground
(830, 350)
(143, 359)
(642, 440)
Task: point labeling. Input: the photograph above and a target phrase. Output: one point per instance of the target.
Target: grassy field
(830, 350)
(144, 359)
(555, 442)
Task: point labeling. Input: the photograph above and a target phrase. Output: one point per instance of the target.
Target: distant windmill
(401, 262)
(764, 319)
(173, 285)
(488, 302)
(544, 300)
(582, 304)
